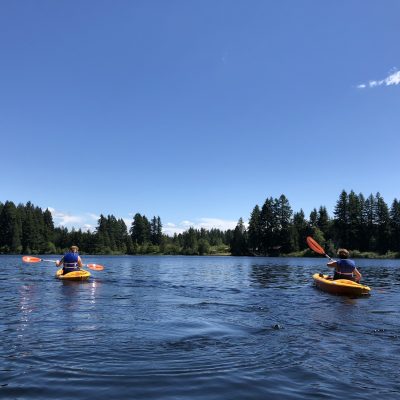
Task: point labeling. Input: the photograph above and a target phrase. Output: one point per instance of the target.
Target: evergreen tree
(284, 220)
(140, 229)
(189, 242)
(254, 230)
(103, 242)
(314, 218)
(395, 226)
(369, 223)
(300, 231)
(10, 229)
(30, 231)
(156, 231)
(341, 220)
(354, 223)
(268, 225)
(238, 244)
(48, 232)
(121, 236)
(323, 221)
(383, 224)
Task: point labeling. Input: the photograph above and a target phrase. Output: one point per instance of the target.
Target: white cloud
(62, 218)
(128, 222)
(88, 222)
(206, 223)
(392, 79)
(65, 219)
(88, 227)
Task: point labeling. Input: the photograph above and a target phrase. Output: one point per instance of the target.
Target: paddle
(29, 259)
(316, 247)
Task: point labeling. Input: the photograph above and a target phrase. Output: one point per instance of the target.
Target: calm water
(197, 328)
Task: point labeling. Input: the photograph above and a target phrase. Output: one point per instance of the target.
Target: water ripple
(199, 328)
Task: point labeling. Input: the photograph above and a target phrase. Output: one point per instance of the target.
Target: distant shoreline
(356, 255)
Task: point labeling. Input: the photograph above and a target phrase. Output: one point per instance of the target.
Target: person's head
(343, 253)
(74, 249)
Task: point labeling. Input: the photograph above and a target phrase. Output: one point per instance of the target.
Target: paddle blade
(315, 246)
(29, 259)
(95, 267)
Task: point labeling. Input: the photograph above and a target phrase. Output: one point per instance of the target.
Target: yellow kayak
(340, 286)
(74, 275)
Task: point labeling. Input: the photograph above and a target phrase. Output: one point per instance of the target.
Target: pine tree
(369, 223)
(323, 221)
(300, 231)
(189, 242)
(354, 223)
(313, 220)
(268, 225)
(10, 229)
(156, 231)
(238, 244)
(284, 220)
(48, 226)
(30, 231)
(254, 230)
(383, 224)
(341, 220)
(395, 226)
(140, 229)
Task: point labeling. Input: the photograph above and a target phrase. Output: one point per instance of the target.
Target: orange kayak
(340, 286)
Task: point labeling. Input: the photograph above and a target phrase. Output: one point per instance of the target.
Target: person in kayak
(71, 261)
(344, 267)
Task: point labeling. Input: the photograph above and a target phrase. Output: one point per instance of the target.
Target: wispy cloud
(86, 222)
(392, 79)
(171, 228)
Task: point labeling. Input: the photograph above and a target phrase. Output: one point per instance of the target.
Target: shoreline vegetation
(366, 226)
(300, 254)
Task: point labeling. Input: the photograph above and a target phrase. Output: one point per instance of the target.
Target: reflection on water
(198, 328)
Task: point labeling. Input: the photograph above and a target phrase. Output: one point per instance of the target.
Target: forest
(365, 225)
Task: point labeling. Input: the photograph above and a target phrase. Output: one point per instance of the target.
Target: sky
(196, 110)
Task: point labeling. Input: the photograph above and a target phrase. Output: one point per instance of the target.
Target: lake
(197, 328)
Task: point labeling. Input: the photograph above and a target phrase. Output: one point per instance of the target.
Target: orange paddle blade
(95, 267)
(29, 259)
(314, 245)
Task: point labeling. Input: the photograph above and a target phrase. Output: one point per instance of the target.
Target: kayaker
(71, 261)
(344, 267)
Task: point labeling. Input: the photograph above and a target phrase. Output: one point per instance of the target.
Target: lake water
(197, 328)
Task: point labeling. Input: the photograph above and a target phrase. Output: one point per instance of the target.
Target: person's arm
(332, 264)
(60, 262)
(80, 265)
(357, 274)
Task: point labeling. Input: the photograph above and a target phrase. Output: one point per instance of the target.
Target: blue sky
(196, 111)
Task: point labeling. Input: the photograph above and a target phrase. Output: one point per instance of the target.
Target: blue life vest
(70, 260)
(345, 266)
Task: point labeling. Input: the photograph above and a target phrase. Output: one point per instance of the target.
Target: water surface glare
(197, 328)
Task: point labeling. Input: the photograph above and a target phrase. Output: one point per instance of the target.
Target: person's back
(344, 267)
(71, 260)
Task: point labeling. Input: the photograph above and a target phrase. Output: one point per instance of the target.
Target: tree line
(27, 229)
(362, 224)
(358, 223)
